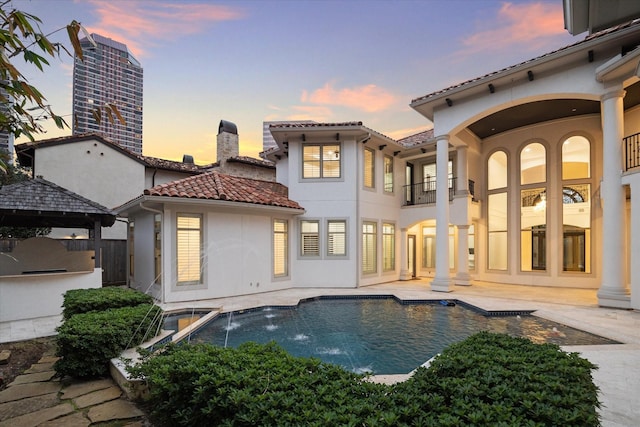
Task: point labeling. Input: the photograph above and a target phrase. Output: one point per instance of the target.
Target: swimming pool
(377, 335)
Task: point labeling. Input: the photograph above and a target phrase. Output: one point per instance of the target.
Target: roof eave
(132, 204)
(427, 106)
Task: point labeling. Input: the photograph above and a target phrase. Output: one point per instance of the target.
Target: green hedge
(87, 342)
(486, 380)
(79, 301)
(496, 380)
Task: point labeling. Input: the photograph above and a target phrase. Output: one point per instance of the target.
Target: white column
(405, 274)
(462, 277)
(462, 186)
(442, 282)
(613, 291)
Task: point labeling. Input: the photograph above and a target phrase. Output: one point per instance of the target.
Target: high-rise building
(6, 137)
(109, 74)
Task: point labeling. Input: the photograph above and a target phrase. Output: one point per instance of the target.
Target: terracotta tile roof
(305, 125)
(25, 152)
(45, 198)
(530, 61)
(312, 125)
(217, 186)
(156, 163)
(252, 161)
(416, 139)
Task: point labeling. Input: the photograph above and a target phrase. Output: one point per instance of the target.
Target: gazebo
(35, 275)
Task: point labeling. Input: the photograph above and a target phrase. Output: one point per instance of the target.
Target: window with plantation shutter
(369, 167)
(310, 238)
(388, 247)
(280, 248)
(388, 174)
(189, 249)
(157, 248)
(369, 246)
(336, 237)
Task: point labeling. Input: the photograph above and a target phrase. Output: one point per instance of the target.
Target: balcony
(632, 151)
(424, 193)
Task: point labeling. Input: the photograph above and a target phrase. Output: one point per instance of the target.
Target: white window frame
(280, 237)
(199, 260)
(388, 247)
(369, 249)
(303, 235)
(369, 168)
(331, 236)
(388, 174)
(324, 152)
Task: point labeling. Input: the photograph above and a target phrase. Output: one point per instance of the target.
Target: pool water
(379, 336)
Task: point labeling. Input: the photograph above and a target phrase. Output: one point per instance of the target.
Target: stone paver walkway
(35, 398)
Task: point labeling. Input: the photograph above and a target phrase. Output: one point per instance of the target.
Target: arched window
(497, 209)
(533, 208)
(576, 204)
(576, 158)
(533, 164)
(497, 168)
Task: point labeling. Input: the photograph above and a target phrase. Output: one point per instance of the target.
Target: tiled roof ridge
(416, 139)
(252, 161)
(493, 73)
(148, 161)
(309, 125)
(314, 124)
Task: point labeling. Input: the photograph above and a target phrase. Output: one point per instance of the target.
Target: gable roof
(40, 203)
(25, 153)
(217, 186)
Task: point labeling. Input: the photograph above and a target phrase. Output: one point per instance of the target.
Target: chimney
(227, 141)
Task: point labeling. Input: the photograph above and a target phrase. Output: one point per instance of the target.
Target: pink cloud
(369, 98)
(523, 24)
(138, 23)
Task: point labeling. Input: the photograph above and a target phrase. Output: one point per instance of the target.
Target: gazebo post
(97, 242)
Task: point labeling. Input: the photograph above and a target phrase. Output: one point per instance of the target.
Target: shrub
(494, 379)
(79, 301)
(486, 380)
(87, 342)
(255, 384)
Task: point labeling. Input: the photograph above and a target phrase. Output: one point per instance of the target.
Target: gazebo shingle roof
(52, 204)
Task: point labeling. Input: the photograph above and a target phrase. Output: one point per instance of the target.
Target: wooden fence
(114, 256)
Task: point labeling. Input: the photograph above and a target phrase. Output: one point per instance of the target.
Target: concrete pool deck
(618, 376)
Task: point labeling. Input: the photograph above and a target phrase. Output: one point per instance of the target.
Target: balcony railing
(424, 193)
(632, 151)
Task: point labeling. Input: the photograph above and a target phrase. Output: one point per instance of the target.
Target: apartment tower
(109, 74)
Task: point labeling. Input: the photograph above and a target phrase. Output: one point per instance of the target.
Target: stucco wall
(95, 171)
(41, 295)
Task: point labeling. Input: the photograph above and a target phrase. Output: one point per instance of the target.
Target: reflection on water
(378, 335)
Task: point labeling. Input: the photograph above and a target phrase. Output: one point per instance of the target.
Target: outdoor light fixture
(449, 102)
(530, 74)
(492, 88)
(590, 55)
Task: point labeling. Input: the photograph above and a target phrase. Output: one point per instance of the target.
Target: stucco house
(210, 235)
(539, 186)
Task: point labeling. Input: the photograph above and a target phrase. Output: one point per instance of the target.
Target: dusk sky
(329, 61)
